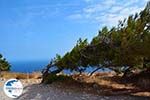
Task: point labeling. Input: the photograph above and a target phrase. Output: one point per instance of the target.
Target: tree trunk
(126, 72)
(57, 71)
(47, 75)
(95, 71)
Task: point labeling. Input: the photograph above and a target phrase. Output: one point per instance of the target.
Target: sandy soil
(33, 90)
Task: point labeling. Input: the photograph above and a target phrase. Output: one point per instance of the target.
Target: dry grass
(8, 75)
(111, 84)
(98, 83)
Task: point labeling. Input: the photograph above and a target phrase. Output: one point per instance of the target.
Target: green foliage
(57, 78)
(72, 60)
(120, 48)
(4, 65)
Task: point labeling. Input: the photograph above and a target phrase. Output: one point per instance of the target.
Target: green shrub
(4, 65)
(56, 78)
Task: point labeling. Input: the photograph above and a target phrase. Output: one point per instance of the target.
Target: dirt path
(35, 91)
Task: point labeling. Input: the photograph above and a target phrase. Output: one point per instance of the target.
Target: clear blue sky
(38, 29)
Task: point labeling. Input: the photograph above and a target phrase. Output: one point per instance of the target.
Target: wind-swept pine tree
(122, 48)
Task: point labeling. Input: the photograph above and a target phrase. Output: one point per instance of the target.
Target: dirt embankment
(112, 84)
(101, 84)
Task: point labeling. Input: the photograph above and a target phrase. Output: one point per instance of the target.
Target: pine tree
(4, 65)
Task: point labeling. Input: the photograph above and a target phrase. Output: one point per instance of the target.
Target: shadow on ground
(77, 91)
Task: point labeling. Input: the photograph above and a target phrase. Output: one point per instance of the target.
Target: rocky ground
(33, 90)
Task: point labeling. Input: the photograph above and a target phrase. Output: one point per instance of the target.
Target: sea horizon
(29, 66)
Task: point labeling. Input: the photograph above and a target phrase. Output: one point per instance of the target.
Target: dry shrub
(144, 83)
(144, 80)
(104, 74)
(141, 79)
(80, 77)
(9, 75)
(35, 75)
(21, 76)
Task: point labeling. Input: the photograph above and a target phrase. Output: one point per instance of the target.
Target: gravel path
(50, 92)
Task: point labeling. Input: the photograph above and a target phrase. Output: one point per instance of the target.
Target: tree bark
(95, 71)
(127, 71)
(56, 71)
(45, 75)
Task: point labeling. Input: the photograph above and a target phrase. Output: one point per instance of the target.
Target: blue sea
(28, 66)
(36, 66)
